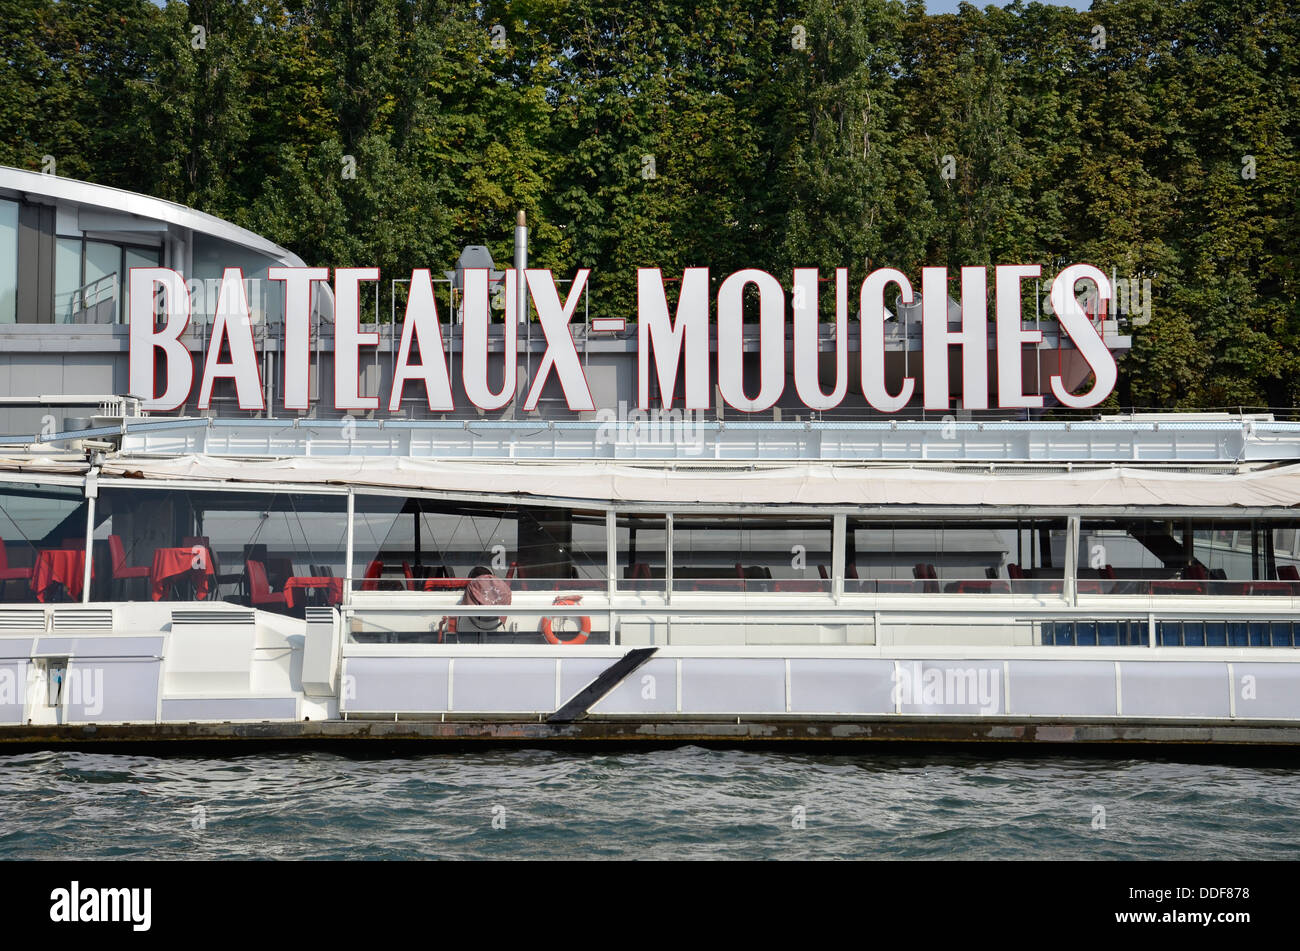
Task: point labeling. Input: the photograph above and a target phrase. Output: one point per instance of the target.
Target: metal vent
(210, 618)
(22, 619)
(95, 619)
(315, 614)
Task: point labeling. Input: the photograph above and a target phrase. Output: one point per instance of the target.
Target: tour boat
(328, 573)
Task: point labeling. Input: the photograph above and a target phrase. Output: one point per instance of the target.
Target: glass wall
(712, 553)
(1189, 556)
(642, 553)
(430, 545)
(988, 556)
(8, 262)
(90, 278)
(275, 551)
(211, 258)
(42, 542)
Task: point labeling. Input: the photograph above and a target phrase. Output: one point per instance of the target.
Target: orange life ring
(584, 623)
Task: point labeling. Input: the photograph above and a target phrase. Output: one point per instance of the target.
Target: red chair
(8, 574)
(1288, 573)
(1283, 588)
(259, 589)
(1177, 587)
(927, 574)
(798, 584)
(122, 572)
(980, 586)
(374, 571)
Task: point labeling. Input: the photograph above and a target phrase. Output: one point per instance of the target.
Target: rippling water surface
(681, 803)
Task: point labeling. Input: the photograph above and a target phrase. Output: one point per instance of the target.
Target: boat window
(433, 545)
(714, 553)
(42, 542)
(989, 556)
(642, 544)
(1189, 556)
(274, 551)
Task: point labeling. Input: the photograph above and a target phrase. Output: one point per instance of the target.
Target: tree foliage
(1158, 138)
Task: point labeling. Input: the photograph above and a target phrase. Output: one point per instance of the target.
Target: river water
(662, 804)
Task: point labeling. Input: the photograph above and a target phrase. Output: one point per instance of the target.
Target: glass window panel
(8, 262)
(137, 257)
(422, 544)
(642, 542)
(1186, 556)
(67, 277)
(41, 522)
(985, 556)
(246, 548)
(102, 281)
(787, 555)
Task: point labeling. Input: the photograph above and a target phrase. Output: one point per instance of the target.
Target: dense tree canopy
(1160, 138)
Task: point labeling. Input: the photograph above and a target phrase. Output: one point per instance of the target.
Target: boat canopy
(621, 485)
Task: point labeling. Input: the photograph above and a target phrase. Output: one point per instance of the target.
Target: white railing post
(1072, 561)
(838, 550)
(347, 567)
(611, 567)
(92, 493)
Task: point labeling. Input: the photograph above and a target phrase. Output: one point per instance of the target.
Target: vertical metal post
(837, 557)
(611, 567)
(521, 295)
(92, 492)
(347, 568)
(1072, 560)
(668, 557)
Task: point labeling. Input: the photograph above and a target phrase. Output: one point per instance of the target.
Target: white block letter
(1011, 337)
(667, 336)
(233, 325)
(973, 338)
(297, 329)
(178, 367)
(474, 341)
(807, 376)
(1076, 323)
(422, 326)
(348, 338)
(731, 340)
(561, 354)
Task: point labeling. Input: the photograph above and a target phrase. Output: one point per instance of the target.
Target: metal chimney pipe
(521, 262)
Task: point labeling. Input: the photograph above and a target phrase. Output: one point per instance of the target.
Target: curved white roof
(86, 194)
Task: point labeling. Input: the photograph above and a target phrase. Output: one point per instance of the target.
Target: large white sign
(672, 343)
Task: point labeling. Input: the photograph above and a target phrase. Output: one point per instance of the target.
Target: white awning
(797, 485)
